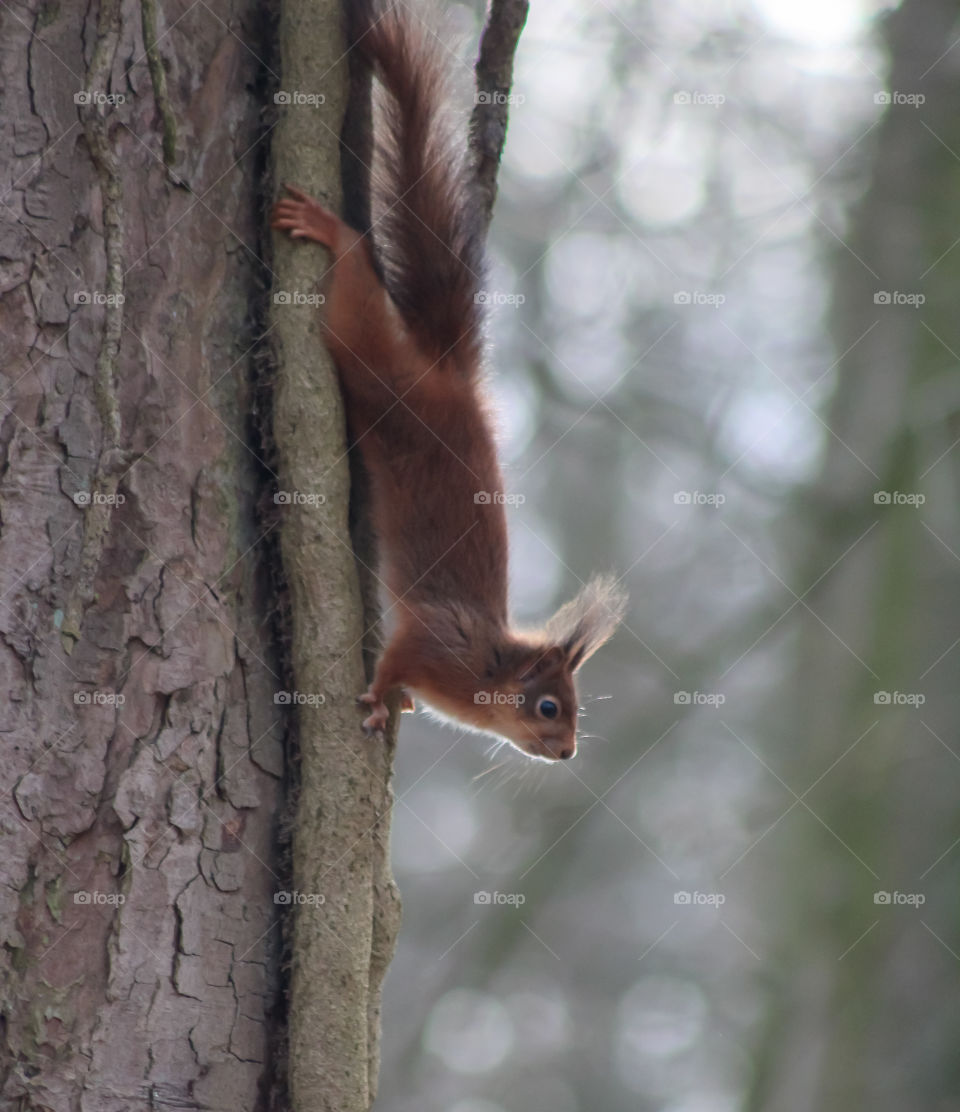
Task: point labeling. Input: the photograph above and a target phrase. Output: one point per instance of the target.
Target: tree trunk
(145, 640)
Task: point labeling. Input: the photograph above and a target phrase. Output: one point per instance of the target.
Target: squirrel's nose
(566, 752)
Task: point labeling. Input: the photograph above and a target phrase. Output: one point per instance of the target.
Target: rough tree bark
(140, 652)
(143, 757)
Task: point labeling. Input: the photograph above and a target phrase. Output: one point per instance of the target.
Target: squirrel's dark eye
(547, 707)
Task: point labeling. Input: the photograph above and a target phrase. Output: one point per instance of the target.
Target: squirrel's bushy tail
(427, 230)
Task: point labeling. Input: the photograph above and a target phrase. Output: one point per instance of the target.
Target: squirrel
(404, 324)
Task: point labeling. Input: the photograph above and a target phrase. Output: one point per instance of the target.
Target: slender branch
(494, 78)
(340, 839)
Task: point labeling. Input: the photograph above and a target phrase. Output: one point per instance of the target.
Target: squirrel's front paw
(376, 720)
(304, 218)
(407, 705)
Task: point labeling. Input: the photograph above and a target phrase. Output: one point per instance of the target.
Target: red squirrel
(408, 348)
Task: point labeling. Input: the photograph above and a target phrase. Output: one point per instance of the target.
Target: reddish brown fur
(409, 362)
(430, 234)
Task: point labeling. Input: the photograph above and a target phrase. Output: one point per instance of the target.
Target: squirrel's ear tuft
(582, 625)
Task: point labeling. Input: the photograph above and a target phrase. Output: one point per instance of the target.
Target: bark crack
(30, 86)
(111, 460)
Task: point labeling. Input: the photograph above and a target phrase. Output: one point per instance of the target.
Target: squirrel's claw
(376, 720)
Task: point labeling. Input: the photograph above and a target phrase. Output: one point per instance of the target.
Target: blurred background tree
(725, 342)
